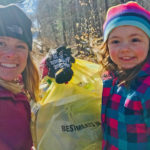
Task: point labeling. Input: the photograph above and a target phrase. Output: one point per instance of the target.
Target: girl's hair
(31, 79)
(124, 76)
(132, 14)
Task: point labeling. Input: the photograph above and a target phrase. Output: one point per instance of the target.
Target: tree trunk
(63, 22)
(53, 27)
(54, 30)
(97, 24)
(73, 11)
(122, 1)
(106, 5)
(125, 1)
(78, 23)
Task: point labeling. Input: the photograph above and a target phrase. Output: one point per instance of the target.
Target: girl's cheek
(112, 53)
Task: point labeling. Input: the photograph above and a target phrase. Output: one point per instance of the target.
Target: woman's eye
(2, 44)
(135, 40)
(21, 46)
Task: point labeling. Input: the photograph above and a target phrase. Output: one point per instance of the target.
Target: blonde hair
(31, 79)
(124, 76)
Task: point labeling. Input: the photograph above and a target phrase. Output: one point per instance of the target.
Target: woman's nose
(10, 53)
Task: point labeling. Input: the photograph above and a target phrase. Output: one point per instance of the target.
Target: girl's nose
(124, 47)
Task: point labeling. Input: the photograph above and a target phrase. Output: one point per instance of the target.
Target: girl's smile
(128, 46)
(126, 58)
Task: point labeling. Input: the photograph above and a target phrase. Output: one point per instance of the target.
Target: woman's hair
(16, 24)
(31, 79)
(124, 76)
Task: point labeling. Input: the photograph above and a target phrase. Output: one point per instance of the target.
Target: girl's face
(13, 57)
(128, 46)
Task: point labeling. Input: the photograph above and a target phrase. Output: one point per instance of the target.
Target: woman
(19, 79)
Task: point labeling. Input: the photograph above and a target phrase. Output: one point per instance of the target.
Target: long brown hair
(31, 79)
(124, 76)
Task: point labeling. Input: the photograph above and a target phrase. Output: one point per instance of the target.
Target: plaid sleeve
(107, 84)
(146, 110)
(145, 86)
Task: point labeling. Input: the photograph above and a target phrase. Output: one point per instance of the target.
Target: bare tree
(63, 22)
(106, 5)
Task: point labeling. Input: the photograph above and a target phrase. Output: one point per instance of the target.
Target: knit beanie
(130, 13)
(14, 23)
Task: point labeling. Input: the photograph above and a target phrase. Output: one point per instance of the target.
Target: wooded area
(76, 23)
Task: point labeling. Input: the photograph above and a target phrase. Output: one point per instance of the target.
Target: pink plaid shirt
(126, 113)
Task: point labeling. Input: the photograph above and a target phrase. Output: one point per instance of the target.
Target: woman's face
(128, 46)
(13, 57)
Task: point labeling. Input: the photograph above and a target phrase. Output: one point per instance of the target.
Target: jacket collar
(145, 71)
(6, 94)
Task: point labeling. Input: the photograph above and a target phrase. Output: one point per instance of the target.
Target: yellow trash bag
(68, 115)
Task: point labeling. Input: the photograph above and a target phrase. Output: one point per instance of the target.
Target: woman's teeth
(8, 65)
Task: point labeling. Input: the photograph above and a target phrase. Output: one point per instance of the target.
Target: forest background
(74, 23)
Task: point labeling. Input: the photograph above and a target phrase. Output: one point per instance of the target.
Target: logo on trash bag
(74, 128)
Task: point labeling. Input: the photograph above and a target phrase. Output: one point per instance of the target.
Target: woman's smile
(6, 65)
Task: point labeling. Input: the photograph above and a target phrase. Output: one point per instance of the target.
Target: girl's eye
(114, 42)
(135, 40)
(2, 44)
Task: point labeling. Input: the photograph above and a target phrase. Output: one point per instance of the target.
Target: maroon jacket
(14, 121)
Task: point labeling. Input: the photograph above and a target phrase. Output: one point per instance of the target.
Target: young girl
(126, 92)
(19, 79)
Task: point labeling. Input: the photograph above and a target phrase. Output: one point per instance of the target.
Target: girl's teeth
(126, 58)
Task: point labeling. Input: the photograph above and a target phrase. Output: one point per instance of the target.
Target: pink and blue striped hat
(130, 13)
